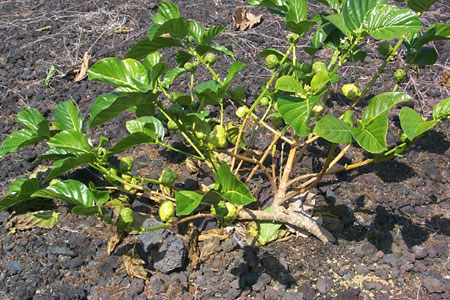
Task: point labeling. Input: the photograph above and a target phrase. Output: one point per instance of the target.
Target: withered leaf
(243, 19)
(42, 219)
(134, 265)
(82, 72)
(115, 239)
(446, 78)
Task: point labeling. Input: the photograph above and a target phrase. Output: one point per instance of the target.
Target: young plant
(293, 98)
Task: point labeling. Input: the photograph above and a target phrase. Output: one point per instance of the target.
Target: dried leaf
(82, 72)
(216, 233)
(134, 265)
(42, 219)
(192, 245)
(115, 239)
(120, 29)
(446, 78)
(245, 20)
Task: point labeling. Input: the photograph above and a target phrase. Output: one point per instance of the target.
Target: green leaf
(130, 141)
(267, 231)
(20, 190)
(149, 125)
(65, 164)
(333, 4)
(231, 188)
(211, 33)
(424, 57)
(196, 31)
(74, 142)
(300, 28)
(441, 111)
(157, 71)
(338, 21)
(183, 57)
(71, 191)
(381, 104)
(66, 113)
(227, 50)
(168, 10)
(232, 134)
(412, 123)
(145, 47)
(296, 112)
(208, 92)
(127, 73)
(171, 75)
(19, 139)
(420, 5)
(30, 118)
(187, 202)
(387, 22)
(36, 219)
(107, 107)
(55, 154)
(177, 27)
(319, 80)
(288, 83)
(234, 69)
(372, 137)
(82, 210)
(434, 32)
(297, 11)
(268, 51)
(151, 60)
(355, 10)
(333, 130)
(50, 74)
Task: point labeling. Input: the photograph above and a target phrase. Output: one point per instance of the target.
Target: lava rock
(137, 286)
(324, 285)
(392, 260)
(419, 251)
(14, 267)
(152, 239)
(171, 255)
(350, 294)
(157, 285)
(62, 250)
(366, 250)
(433, 285)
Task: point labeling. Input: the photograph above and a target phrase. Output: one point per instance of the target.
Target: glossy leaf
(158, 70)
(296, 112)
(441, 111)
(434, 32)
(211, 33)
(269, 51)
(333, 130)
(196, 31)
(355, 10)
(63, 165)
(66, 113)
(208, 92)
(107, 108)
(333, 4)
(71, 191)
(234, 69)
(130, 141)
(231, 188)
(168, 10)
(151, 60)
(177, 27)
(300, 28)
(319, 80)
(72, 141)
(82, 210)
(412, 123)
(387, 22)
(30, 118)
(183, 57)
(145, 47)
(55, 154)
(148, 125)
(171, 75)
(338, 21)
(19, 139)
(288, 83)
(381, 104)
(20, 190)
(372, 137)
(424, 57)
(227, 50)
(420, 5)
(297, 11)
(187, 202)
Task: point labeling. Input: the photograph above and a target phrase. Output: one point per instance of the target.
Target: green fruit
(210, 58)
(306, 68)
(385, 48)
(272, 61)
(238, 93)
(126, 164)
(351, 91)
(190, 67)
(218, 137)
(242, 111)
(318, 109)
(319, 66)
(293, 38)
(166, 211)
(168, 177)
(126, 215)
(172, 125)
(399, 75)
(128, 187)
(200, 135)
(264, 101)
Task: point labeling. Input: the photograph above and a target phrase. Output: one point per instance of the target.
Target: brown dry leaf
(82, 72)
(115, 239)
(216, 233)
(134, 265)
(243, 19)
(192, 245)
(446, 78)
(42, 219)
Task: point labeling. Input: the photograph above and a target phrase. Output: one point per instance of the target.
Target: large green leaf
(196, 31)
(211, 33)
(333, 130)
(381, 104)
(412, 123)
(151, 60)
(333, 4)
(71, 191)
(289, 84)
(227, 50)
(434, 32)
(171, 75)
(441, 111)
(177, 28)
(132, 140)
(208, 92)
(56, 154)
(420, 5)
(296, 112)
(231, 188)
(424, 57)
(186, 202)
(387, 22)
(168, 10)
(148, 125)
(107, 108)
(297, 11)
(355, 10)
(20, 190)
(300, 28)
(338, 21)
(66, 113)
(319, 80)
(372, 137)
(127, 73)
(19, 139)
(63, 165)
(30, 118)
(145, 47)
(74, 142)
(234, 69)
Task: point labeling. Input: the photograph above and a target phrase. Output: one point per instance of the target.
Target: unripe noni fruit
(272, 61)
(126, 164)
(293, 38)
(242, 111)
(264, 101)
(399, 75)
(385, 48)
(319, 66)
(166, 211)
(126, 215)
(190, 67)
(210, 58)
(218, 137)
(168, 177)
(306, 68)
(351, 91)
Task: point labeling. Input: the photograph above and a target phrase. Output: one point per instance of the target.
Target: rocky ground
(393, 218)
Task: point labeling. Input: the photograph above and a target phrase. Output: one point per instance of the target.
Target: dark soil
(394, 217)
